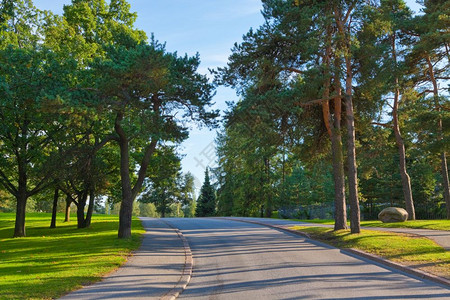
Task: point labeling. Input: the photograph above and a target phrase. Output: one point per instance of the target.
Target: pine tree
(206, 206)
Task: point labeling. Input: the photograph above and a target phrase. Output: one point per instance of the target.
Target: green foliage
(50, 263)
(148, 210)
(274, 154)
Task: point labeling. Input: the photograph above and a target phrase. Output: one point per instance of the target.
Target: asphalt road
(235, 260)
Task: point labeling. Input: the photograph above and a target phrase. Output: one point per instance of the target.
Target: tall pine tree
(206, 206)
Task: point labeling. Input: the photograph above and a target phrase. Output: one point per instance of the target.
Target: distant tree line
(92, 108)
(341, 102)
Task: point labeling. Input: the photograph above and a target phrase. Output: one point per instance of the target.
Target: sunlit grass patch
(416, 224)
(51, 262)
(407, 249)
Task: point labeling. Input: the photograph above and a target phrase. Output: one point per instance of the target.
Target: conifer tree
(206, 205)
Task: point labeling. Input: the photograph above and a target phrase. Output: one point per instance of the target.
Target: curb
(187, 269)
(361, 254)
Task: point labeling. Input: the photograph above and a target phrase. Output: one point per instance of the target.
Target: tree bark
(334, 131)
(19, 229)
(338, 161)
(446, 187)
(21, 197)
(54, 210)
(355, 217)
(406, 180)
(67, 211)
(87, 220)
(444, 168)
(126, 206)
(82, 198)
(269, 204)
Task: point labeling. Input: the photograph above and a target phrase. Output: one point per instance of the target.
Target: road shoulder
(156, 270)
(357, 253)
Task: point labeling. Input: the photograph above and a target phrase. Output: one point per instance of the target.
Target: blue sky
(209, 27)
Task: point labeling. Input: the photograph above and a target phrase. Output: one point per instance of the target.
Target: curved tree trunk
(406, 180)
(444, 168)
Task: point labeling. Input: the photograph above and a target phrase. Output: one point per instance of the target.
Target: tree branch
(385, 125)
(317, 101)
(7, 184)
(294, 70)
(107, 139)
(144, 165)
(349, 11)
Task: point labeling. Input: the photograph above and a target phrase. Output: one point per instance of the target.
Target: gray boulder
(393, 214)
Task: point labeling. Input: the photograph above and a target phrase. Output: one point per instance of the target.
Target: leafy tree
(146, 87)
(148, 210)
(206, 204)
(32, 79)
(162, 187)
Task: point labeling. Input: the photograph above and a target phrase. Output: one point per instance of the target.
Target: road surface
(235, 260)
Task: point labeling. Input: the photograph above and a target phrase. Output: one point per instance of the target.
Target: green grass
(51, 262)
(417, 224)
(411, 250)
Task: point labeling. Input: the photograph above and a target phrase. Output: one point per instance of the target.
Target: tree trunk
(446, 187)
(82, 197)
(22, 197)
(269, 204)
(55, 207)
(129, 193)
(345, 45)
(163, 212)
(340, 214)
(355, 226)
(126, 206)
(406, 180)
(444, 168)
(67, 211)
(87, 220)
(338, 162)
(19, 230)
(125, 216)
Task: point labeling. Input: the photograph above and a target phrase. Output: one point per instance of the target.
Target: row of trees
(89, 106)
(323, 81)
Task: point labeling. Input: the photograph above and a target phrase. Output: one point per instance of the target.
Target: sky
(209, 27)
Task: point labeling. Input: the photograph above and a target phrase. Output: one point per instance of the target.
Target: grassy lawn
(51, 262)
(415, 251)
(417, 224)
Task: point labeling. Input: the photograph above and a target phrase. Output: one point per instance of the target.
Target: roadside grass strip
(414, 251)
(49, 263)
(416, 224)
